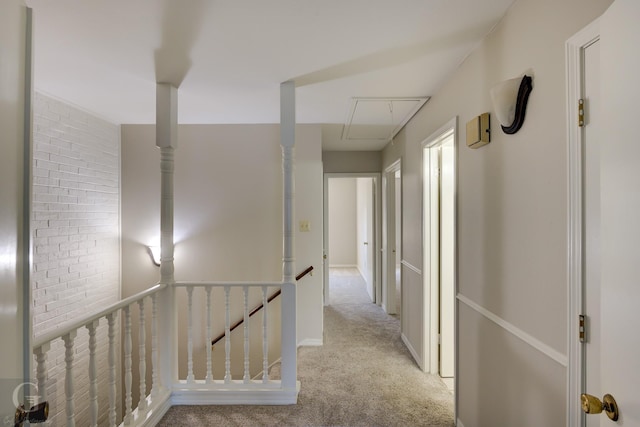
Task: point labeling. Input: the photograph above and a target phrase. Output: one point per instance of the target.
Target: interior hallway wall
(512, 215)
(342, 222)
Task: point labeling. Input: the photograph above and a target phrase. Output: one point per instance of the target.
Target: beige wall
(351, 161)
(512, 213)
(228, 212)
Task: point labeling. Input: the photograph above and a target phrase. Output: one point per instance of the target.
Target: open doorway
(439, 243)
(351, 233)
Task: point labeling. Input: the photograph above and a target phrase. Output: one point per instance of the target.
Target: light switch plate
(305, 226)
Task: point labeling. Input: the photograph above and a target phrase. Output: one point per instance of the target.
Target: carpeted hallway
(363, 375)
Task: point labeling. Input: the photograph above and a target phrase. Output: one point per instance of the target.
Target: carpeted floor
(363, 375)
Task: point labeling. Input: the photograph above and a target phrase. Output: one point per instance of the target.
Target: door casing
(377, 230)
(430, 245)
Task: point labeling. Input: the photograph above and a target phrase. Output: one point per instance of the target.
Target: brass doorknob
(593, 405)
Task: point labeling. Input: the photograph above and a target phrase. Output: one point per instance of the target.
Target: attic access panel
(379, 119)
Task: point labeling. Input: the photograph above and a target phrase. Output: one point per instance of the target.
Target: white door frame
(376, 227)
(431, 293)
(574, 49)
(388, 290)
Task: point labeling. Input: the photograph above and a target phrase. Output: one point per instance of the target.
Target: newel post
(288, 304)
(166, 141)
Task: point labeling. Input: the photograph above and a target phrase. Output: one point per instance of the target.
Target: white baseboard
(157, 408)
(459, 423)
(311, 342)
(237, 396)
(413, 352)
(343, 266)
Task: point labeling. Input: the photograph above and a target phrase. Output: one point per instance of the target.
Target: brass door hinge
(582, 330)
(580, 112)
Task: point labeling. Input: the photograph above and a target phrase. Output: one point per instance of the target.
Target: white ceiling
(229, 56)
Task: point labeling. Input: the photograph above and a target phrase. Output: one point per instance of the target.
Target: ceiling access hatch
(379, 119)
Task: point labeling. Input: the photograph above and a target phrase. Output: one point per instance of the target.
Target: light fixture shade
(510, 102)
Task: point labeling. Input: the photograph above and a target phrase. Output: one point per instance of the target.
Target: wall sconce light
(510, 102)
(154, 251)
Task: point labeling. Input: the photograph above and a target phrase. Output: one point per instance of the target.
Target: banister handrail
(259, 307)
(58, 333)
(305, 272)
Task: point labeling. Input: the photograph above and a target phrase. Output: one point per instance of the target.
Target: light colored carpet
(362, 376)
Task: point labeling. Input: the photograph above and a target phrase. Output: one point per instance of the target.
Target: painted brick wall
(76, 249)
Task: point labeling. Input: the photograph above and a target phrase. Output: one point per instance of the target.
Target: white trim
(574, 48)
(343, 266)
(234, 395)
(532, 341)
(156, 409)
(411, 267)
(311, 342)
(459, 423)
(431, 293)
(413, 352)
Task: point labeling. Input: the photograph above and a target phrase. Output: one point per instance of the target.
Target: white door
(389, 239)
(620, 212)
(14, 233)
(366, 190)
(612, 357)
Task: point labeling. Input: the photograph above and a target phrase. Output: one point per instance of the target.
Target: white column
(287, 142)
(288, 302)
(166, 140)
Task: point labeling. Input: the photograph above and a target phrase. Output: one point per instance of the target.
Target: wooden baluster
(93, 374)
(68, 383)
(227, 337)
(190, 377)
(128, 376)
(247, 375)
(154, 346)
(111, 319)
(265, 338)
(209, 377)
(41, 370)
(142, 342)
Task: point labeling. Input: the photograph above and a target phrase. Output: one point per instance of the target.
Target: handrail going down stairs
(275, 295)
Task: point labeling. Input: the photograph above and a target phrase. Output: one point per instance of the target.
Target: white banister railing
(200, 384)
(148, 406)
